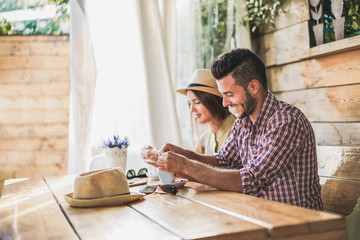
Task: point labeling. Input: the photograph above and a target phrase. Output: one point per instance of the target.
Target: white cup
(152, 173)
(166, 177)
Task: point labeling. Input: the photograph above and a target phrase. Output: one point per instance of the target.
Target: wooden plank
(333, 70)
(20, 158)
(34, 38)
(342, 162)
(340, 103)
(34, 116)
(295, 11)
(284, 220)
(34, 48)
(26, 76)
(34, 170)
(283, 46)
(29, 211)
(292, 44)
(33, 163)
(330, 235)
(113, 221)
(346, 44)
(337, 134)
(34, 144)
(49, 101)
(34, 130)
(339, 195)
(35, 89)
(35, 62)
(181, 215)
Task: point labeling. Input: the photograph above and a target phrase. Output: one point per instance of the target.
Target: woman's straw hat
(101, 187)
(202, 80)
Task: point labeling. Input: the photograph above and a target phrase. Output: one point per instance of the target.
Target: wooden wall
(324, 82)
(34, 105)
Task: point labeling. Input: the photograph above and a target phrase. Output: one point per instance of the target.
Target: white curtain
(135, 50)
(159, 48)
(83, 79)
(120, 106)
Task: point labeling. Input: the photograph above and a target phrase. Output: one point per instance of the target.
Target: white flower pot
(116, 157)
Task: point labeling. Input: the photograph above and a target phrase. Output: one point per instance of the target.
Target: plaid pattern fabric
(276, 155)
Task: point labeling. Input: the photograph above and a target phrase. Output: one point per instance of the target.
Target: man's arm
(211, 160)
(223, 179)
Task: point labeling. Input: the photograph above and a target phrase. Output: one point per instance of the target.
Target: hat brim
(201, 89)
(119, 199)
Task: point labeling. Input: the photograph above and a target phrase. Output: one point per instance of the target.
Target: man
(271, 151)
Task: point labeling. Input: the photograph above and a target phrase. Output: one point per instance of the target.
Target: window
(26, 17)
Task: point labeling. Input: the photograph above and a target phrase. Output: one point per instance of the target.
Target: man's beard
(248, 106)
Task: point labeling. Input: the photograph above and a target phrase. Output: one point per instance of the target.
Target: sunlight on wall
(121, 97)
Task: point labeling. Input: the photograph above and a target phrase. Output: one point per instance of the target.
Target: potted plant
(116, 151)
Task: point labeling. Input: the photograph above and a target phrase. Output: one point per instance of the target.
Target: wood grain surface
(28, 211)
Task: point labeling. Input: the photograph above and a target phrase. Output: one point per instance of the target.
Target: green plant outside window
(57, 25)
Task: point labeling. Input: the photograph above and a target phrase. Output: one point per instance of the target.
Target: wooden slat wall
(34, 105)
(324, 83)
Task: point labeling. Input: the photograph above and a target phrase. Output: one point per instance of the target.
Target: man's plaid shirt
(276, 155)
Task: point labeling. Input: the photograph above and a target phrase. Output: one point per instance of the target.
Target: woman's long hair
(213, 103)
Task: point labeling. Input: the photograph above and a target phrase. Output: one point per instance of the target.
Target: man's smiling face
(237, 98)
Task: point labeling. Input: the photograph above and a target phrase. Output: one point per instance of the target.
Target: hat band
(197, 85)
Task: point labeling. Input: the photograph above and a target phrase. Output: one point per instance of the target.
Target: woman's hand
(149, 155)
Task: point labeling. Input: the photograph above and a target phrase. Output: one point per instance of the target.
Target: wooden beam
(30, 76)
(35, 62)
(337, 134)
(339, 195)
(283, 46)
(332, 104)
(42, 101)
(34, 116)
(295, 11)
(341, 162)
(292, 44)
(34, 48)
(24, 158)
(333, 70)
(34, 38)
(33, 144)
(12, 130)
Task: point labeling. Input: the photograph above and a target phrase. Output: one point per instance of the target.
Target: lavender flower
(116, 141)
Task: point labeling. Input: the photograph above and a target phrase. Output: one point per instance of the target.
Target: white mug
(166, 177)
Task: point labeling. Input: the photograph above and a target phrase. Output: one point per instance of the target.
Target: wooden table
(36, 209)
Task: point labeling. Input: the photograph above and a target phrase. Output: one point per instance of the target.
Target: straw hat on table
(100, 188)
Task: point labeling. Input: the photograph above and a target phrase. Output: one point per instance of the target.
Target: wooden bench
(339, 170)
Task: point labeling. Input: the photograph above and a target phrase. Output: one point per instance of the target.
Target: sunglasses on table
(165, 188)
(132, 174)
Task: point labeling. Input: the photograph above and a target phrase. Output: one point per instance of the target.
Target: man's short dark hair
(242, 64)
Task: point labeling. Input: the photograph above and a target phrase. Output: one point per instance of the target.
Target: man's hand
(172, 162)
(173, 148)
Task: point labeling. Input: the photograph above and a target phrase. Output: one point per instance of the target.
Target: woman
(205, 102)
